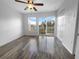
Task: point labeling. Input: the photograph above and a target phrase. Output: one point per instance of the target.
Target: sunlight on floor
(41, 48)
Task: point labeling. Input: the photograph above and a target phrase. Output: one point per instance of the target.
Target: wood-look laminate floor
(43, 47)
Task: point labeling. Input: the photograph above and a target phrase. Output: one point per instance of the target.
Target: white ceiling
(49, 5)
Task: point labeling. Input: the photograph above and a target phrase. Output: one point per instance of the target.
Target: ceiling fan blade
(21, 1)
(34, 8)
(26, 8)
(38, 4)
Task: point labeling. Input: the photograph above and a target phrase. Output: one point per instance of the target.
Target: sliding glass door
(46, 25)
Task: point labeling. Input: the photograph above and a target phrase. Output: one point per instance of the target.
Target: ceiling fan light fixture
(30, 4)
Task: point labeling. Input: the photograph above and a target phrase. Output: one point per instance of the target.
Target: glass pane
(32, 24)
(50, 24)
(42, 25)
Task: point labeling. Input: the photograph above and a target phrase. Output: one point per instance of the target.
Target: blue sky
(32, 19)
(42, 19)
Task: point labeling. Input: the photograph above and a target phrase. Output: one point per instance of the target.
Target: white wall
(66, 23)
(37, 15)
(10, 23)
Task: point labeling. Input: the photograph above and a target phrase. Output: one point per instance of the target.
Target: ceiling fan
(30, 4)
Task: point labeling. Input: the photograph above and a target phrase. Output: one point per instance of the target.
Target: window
(32, 24)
